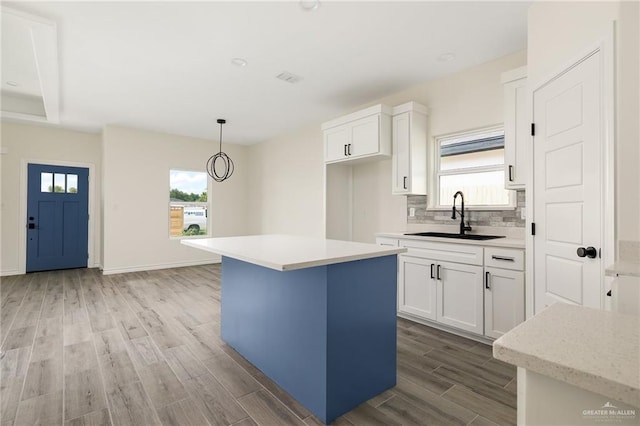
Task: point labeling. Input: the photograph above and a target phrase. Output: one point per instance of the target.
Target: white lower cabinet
(503, 300)
(417, 294)
(460, 296)
(476, 289)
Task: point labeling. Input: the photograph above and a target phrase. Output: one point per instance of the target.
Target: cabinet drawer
(386, 241)
(458, 253)
(504, 258)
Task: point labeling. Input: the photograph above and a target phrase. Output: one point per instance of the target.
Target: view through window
(188, 206)
(473, 163)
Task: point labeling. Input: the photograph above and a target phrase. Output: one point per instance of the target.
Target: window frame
(434, 172)
(208, 203)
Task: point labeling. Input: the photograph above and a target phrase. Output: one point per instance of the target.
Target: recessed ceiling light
(309, 5)
(239, 62)
(446, 57)
(12, 83)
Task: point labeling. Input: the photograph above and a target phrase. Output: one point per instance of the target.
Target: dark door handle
(589, 252)
(345, 149)
(486, 280)
(404, 182)
(349, 149)
(510, 173)
(432, 265)
(438, 273)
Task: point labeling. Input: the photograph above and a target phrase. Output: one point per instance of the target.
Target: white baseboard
(8, 272)
(140, 268)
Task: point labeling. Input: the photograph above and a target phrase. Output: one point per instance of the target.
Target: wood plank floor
(144, 348)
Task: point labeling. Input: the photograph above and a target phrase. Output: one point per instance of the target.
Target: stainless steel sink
(458, 236)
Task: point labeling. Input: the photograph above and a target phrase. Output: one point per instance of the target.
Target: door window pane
(72, 183)
(46, 182)
(59, 182)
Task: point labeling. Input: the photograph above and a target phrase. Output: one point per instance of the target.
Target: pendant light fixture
(222, 160)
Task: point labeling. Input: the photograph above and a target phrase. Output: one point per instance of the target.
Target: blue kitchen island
(316, 316)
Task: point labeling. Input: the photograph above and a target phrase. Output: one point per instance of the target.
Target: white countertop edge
(388, 251)
(568, 374)
(498, 242)
(625, 268)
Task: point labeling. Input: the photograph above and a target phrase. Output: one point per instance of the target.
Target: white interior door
(568, 176)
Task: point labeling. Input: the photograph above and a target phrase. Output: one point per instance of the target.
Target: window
(471, 162)
(188, 203)
(59, 182)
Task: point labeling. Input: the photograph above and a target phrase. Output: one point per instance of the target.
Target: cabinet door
(336, 141)
(416, 289)
(365, 134)
(401, 154)
(460, 296)
(503, 301)
(515, 134)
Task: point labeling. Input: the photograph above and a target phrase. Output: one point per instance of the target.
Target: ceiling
(166, 66)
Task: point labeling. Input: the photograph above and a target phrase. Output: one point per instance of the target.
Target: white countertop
(289, 252)
(588, 348)
(624, 268)
(498, 242)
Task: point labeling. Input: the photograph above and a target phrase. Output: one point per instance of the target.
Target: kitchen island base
(325, 334)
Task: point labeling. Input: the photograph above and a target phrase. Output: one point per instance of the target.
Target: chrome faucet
(463, 227)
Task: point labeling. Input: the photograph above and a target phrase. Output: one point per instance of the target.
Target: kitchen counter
(498, 242)
(289, 252)
(316, 316)
(593, 350)
(624, 268)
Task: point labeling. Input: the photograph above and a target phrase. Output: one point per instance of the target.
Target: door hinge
(533, 228)
(533, 129)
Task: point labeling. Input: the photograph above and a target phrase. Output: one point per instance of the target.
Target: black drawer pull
(438, 273)
(486, 280)
(508, 259)
(432, 265)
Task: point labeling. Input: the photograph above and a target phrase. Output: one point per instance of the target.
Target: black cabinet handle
(486, 281)
(438, 273)
(432, 265)
(510, 173)
(609, 293)
(508, 259)
(404, 182)
(349, 149)
(345, 149)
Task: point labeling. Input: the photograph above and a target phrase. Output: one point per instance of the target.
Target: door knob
(589, 252)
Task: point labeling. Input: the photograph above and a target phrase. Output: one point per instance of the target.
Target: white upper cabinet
(516, 129)
(363, 135)
(409, 147)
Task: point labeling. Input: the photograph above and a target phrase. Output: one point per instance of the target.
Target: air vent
(288, 77)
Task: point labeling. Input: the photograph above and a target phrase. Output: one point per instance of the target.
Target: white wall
(560, 31)
(286, 184)
(136, 196)
(39, 144)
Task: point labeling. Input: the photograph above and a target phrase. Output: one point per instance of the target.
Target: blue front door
(57, 217)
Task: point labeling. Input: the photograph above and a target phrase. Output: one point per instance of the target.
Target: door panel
(57, 217)
(365, 135)
(401, 125)
(417, 291)
(567, 186)
(503, 301)
(460, 296)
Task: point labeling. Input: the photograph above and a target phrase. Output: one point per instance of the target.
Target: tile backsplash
(502, 218)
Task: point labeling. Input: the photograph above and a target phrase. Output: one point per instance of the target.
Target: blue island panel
(326, 334)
